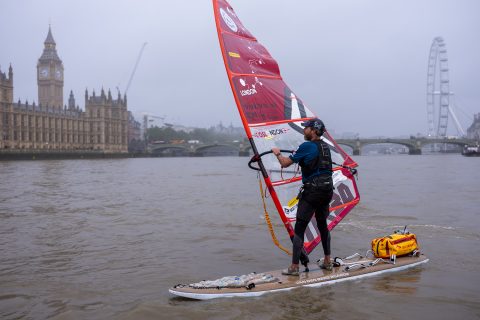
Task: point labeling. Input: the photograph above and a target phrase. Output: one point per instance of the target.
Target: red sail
(271, 114)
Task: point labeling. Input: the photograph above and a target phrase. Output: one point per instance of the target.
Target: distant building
(230, 130)
(135, 141)
(6, 86)
(134, 128)
(473, 132)
(51, 125)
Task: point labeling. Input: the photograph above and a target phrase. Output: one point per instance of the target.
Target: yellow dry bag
(398, 244)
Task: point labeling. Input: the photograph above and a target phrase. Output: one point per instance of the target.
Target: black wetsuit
(316, 165)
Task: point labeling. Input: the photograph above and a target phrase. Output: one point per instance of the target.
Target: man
(315, 160)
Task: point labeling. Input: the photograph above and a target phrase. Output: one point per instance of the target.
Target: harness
(322, 164)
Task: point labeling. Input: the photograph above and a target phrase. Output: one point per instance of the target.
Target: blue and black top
(314, 158)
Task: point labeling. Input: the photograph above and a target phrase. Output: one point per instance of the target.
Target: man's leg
(321, 214)
(304, 214)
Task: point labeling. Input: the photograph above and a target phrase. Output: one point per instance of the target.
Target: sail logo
(250, 89)
(248, 92)
(290, 209)
(233, 54)
(228, 20)
(270, 134)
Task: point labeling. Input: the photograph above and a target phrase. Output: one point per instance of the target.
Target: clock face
(58, 74)
(44, 72)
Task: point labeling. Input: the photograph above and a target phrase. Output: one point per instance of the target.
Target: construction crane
(135, 67)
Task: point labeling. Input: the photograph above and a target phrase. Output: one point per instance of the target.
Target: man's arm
(284, 161)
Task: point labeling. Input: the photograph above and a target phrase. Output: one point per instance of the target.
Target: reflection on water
(96, 239)
(403, 283)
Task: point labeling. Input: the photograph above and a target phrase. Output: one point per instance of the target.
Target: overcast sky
(360, 65)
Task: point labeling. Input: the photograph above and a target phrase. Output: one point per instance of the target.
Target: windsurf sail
(271, 114)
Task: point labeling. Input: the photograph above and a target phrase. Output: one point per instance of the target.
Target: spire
(49, 51)
(49, 39)
(10, 74)
(71, 101)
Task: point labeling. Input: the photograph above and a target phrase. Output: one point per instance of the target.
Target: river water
(105, 239)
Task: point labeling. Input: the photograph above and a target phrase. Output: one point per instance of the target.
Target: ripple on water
(105, 240)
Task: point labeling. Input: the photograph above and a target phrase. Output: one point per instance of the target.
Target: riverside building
(52, 126)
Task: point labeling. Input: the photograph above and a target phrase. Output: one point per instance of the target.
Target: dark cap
(314, 123)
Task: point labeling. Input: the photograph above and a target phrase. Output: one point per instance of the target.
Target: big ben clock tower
(50, 75)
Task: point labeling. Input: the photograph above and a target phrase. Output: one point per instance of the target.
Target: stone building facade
(473, 132)
(51, 125)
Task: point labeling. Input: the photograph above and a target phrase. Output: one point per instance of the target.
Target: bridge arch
(389, 148)
(170, 151)
(348, 148)
(436, 146)
(216, 150)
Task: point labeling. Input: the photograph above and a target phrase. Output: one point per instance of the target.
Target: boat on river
(471, 151)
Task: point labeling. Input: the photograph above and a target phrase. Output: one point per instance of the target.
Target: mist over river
(105, 239)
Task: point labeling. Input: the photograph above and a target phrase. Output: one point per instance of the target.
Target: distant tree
(210, 135)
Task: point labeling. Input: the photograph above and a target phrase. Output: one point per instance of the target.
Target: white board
(316, 277)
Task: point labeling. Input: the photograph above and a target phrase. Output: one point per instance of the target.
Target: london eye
(438, 89)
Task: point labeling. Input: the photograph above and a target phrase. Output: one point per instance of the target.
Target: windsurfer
(314, 158)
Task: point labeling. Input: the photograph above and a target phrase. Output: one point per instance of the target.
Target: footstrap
(350, 266)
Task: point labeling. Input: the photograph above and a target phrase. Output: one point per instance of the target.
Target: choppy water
(105, 239)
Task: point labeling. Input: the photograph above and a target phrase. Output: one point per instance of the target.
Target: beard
(311, 135)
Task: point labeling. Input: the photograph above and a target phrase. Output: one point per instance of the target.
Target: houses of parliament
(105, 126)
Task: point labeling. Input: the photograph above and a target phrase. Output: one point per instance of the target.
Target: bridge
(413, 144)
(200, 149)
(242, 148)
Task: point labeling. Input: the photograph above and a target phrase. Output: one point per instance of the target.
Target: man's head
(316, 125)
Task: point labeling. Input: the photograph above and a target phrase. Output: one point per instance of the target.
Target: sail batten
(277, 122)
(272, 114)
(265, 76)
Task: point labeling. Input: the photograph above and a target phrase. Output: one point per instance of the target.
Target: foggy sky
(360, 65)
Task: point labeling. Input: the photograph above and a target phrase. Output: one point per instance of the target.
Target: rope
(269, 223)
(296, 170)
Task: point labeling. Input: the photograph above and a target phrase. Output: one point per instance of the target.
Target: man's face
(308, 133)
